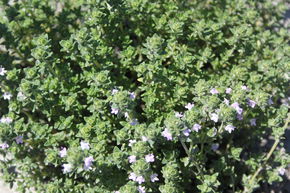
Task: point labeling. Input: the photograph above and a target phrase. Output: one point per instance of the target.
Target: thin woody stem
(267, 157)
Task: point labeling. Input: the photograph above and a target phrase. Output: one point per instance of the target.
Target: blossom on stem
(2, 71)
(178, 115)
(270, 101)
(243, 87)
(114, 111)
(19, 139)
(215, 146)
(21, 96)
(237, 107)
(154, 178)
(132, 95)
(114, 91)
(140, 179)
(214, 117)
(4, 145)
(85, 145)
(240, 117)
(134, 122)
(228, 90)
(6, 120)
(149, 158)
(226, 101)
(186, 132)
(144, 139)
(167, 134)
(229, 128)
(132, 158)
(196, 127)
(7, 95)
(66, 168)
(281, 171)
(63, 152)
(253, 122)
(131, 142)
(251, 103)
(141, 189)
(126, 114)
(132, 176)
(214, 91)
(189, 106)
(88, 162)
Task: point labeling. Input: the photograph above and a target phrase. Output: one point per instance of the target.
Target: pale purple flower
(2, 71)
(144, 139)
(132, 176)
(141, 189)
(117, 192)
(228, 90)
(229, 128)
(4, 145)
(126, 114)
(114, 111)
(114, 91)
(253, 122)
(132, 158)
(140, 179)
(131, 142)
(226, 101)
(240, 117)
(21, 96)
(237, 107)
(85, 145)
(214, 91)
(88, 162)
(167, 134)
(196, 127)
(281, 171)
(189, 106)
(244, 87)
(186, 132)
(251, 103)
(19, 139)
(66, 168)
(63, 152)
(270, 101)
(6, 120)
(132, 95)
(178, 115)
(154, 178)
(7, 95)
(134, 122)
(149, 158)
(214, 117)
(215, 146)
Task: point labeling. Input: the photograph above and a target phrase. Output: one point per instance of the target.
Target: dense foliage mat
(130, 96)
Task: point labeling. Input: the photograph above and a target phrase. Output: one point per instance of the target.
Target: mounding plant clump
(126, 96)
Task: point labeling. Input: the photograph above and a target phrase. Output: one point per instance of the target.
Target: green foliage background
(67, 56)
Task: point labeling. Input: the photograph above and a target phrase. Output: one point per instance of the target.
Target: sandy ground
(5, 189)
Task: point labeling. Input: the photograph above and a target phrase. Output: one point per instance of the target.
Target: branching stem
(252, 179)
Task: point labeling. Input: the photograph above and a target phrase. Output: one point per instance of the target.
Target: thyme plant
(125, 96)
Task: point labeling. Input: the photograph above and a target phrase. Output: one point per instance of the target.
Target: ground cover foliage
(153, 96)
